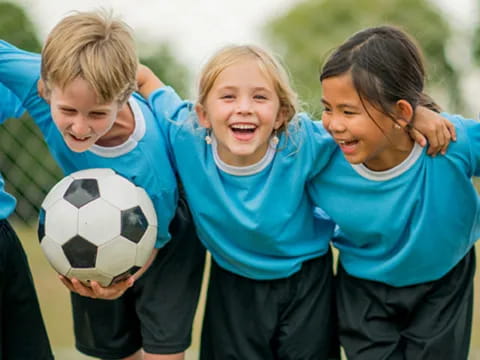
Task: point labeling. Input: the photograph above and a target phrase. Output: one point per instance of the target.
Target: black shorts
(157, 313)
(428, 321)
(288, 319)
(22, 331)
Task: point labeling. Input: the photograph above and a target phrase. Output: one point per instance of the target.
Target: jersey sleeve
(321, 145)
(472, 128)
(20, 72)
(171, 111)
(10, 105)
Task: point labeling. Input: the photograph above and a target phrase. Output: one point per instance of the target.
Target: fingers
(81, 289)
(65, 281)
(441, 142)
(451, 130)
(418, 137)
(113, 291)
(96, 291)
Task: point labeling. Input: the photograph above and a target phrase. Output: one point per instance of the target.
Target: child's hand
(430, 126)
(96, 291)
(147, 81)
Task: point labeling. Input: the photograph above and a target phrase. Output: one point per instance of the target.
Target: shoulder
(467, 129)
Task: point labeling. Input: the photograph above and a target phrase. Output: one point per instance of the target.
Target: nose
(80, 126)
(244, 105)
(336, 123)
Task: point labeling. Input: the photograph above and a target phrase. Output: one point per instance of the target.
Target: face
(79, 117)
(364, 134)
(242, 109)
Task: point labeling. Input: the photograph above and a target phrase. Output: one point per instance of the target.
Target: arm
(19, 70)
(430, 126)
(147, 81)
(20, 73)
(10, 105)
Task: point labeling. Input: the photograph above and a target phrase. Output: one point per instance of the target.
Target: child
(270, 292)
(92, 119)
(22, 331)
(408, 221)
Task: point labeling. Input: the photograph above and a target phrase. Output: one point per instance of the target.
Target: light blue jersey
(10, 107)
(142, 158)
(256, 221)
(410, 224)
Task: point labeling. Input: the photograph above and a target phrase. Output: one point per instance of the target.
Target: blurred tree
(25, 162)
(160, 58)
(16, 27)
(307, 34)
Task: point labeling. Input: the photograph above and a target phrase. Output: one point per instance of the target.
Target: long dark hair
(385, 64)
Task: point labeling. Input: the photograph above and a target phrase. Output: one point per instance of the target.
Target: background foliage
(307, 34)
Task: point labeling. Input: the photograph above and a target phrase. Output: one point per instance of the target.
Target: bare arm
(432, 127)
(147, 81)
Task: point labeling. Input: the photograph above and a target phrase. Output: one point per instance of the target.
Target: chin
(78, 148)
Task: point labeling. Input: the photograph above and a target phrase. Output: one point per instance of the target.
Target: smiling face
(243, 109)
(78, 116)
(364, 134)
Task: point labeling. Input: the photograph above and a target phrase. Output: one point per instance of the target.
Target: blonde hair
(95, 47)
(270, 66)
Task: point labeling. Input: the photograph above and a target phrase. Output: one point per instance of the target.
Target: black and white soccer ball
(96, 225)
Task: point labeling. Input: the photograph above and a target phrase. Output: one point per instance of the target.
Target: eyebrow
(232, 87)
(341, 106)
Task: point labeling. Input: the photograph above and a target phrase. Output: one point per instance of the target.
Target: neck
(398, 148)
(121, 130)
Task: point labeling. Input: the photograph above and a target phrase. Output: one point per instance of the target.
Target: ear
(202, 116)
(404, 113)
(42, 91)
(281, 118)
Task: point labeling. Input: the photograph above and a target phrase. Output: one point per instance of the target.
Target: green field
(55, 303)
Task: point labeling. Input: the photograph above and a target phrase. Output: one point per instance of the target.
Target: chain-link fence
(27, 167)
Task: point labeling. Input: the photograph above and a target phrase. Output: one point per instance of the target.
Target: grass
(55, 302)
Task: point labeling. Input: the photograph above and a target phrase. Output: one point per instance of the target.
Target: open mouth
(348, 147)
(243, 128)
(80, 139)
(347, 142)
(243, 132)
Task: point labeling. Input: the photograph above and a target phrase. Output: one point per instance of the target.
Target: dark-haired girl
(408, 221)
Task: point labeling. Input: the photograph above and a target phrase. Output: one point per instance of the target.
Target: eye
(68, 111)
(260, 97)
(326, 109)
(227, 96)
(98, 114)
(349, 112)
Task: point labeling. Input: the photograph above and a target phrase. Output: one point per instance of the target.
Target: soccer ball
(96, 225)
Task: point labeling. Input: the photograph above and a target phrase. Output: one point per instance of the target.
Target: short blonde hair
(267, 63)
(95, 47)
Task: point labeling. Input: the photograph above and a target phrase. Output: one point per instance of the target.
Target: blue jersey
(410, 224)
(256, 221)
(142, 158)
(10, 106)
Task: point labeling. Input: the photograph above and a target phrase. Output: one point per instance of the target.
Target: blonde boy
(90, 117)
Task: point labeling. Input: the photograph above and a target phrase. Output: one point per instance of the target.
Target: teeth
(244, 126)
(341, 142)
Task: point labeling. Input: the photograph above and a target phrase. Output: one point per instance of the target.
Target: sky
(196, 28)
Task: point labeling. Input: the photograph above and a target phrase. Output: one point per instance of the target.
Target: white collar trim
(243, 170)
(131, 142)
(393, 172)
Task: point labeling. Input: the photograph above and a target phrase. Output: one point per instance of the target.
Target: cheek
(59, 120)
